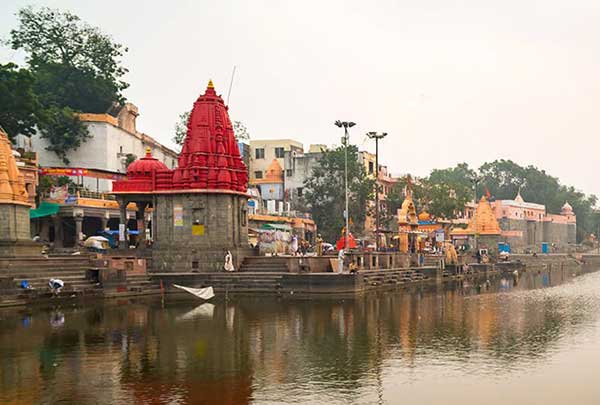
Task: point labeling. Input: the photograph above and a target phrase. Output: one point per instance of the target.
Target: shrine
(15, 237)
(199, 208)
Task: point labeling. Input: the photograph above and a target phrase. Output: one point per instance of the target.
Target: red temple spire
(210, 158)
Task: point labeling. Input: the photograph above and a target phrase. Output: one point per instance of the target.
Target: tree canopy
(54, 37)
(324, 192)
(72, 68)
(19, 105)
(445, 191)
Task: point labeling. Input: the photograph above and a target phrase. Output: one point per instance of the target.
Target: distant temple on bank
(518, 226)
(200, 208)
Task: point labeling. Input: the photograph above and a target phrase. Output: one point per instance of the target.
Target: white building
(113, 142)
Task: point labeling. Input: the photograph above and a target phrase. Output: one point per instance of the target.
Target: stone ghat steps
(42, 265)
(73, 282)
(228, 282)
(56, 272)
(392, 277)
(142, 283)
(271, 264)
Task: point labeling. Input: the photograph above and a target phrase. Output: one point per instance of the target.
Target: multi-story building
(113, 143)
(263, 151)
(385, 182)
(298, 167)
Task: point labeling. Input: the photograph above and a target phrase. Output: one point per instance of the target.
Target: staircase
(142, 283)
(391, 277)
(264, 264)
(238, 282)
(38, 270)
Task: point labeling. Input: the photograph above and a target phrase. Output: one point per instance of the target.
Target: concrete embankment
(270, 281)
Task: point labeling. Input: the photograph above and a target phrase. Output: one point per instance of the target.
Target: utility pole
(377, 137)
(346, 125)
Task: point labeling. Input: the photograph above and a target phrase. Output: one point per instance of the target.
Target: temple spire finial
(210, 84)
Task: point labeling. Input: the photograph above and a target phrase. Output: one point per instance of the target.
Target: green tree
(63, 130)
(446, 191)
(324, 192)
(76, 69)
(241, 132)
(54, 37)
(181, 128)
(19, 106)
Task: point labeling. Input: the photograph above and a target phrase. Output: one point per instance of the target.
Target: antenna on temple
(231, 84)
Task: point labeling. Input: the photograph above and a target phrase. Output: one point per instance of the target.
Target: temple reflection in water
(268, 349)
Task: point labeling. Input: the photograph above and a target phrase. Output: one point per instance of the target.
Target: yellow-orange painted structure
(408, 222)
(273, 174)
(12, 183)
(484, 221)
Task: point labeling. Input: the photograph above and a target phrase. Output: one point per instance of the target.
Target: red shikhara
(209, 160)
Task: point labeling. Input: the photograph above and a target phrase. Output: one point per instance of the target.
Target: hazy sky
(450, 81)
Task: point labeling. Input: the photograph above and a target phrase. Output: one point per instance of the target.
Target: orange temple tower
(15, 237)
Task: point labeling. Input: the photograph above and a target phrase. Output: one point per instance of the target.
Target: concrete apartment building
(263, 151)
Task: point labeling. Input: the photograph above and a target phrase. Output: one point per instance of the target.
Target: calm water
(534, 343)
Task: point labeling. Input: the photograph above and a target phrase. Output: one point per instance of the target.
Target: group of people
(299, 246)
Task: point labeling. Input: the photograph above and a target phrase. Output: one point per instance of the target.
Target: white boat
(203, 293)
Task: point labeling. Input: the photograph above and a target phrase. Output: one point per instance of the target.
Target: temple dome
(145, 166)
(566, 209)
(407, 214)
(273, 174)
(424, 216)
(484, 221)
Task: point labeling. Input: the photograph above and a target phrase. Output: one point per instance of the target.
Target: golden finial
(210, 84)
(148, 151)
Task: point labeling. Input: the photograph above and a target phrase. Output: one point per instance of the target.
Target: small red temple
(209, 160)
(200, 209)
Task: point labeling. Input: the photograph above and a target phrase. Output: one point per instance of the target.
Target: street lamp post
(475, 181)
(377, 137)
(346, 125)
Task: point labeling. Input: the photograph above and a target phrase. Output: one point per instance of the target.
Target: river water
(534, 343)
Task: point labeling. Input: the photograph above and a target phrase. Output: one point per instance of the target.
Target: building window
(299, 191)
(279, 153)
(370, 167)
(288, 173)
(259, 153)
(258, 174)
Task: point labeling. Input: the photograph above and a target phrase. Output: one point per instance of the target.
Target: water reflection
(379, 348)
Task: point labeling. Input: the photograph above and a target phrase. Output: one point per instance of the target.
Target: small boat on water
(203, 293)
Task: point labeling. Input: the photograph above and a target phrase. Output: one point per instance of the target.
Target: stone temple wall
(194, 231)
(15, 237)
(14, 222)
(536, 233)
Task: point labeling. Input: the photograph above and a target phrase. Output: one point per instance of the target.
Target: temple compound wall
(195, 231)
